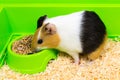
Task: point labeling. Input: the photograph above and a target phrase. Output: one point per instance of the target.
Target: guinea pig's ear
(41, 20)
(50, 28)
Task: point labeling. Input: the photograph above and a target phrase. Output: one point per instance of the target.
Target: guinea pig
(76, 33)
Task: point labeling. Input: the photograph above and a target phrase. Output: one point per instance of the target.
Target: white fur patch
(39, 33)
(69, 29)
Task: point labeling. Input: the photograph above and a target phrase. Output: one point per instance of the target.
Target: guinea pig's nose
(35, 50)
(40, 41)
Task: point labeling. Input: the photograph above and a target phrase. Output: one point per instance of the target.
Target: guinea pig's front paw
(76, 62)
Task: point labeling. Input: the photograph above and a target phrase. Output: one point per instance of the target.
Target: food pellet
(23, 46)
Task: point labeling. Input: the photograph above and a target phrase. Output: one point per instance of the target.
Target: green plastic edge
(58, 5)
(1, 58)
(40, 69)
(2, 53)
(44, 63)
(61, 1)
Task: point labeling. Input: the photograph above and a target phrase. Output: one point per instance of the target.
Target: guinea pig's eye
(46, 29)
(40, 41)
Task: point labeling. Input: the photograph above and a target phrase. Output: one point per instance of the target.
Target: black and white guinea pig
(77, 33)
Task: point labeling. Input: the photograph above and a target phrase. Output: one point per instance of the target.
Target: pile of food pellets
(23, 46)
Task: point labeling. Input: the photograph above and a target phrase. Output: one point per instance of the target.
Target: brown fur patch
(94, 55)
(49, 40)
(34, 40)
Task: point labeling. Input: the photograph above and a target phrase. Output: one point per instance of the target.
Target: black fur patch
(93, 32)
(40, 21)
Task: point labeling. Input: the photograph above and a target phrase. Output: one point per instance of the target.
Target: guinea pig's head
(45, 36)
